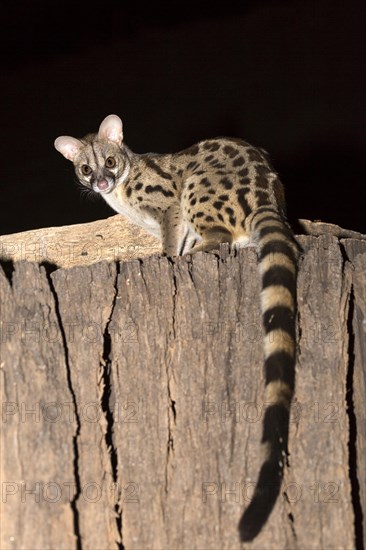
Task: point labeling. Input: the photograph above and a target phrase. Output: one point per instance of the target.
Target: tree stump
(132, 400)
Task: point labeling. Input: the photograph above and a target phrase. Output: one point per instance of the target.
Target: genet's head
(100, 160)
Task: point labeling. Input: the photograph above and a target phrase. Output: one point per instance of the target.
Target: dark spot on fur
(204, 199)
(217, 164)
(150, 163)
(193, 150)
(192, 165)
(243, 201)
(226, 183)
(218, 205)
(139, 186)
(254, 155)
(230, 151)
(262, 182)
(243, 172)
(159, 189)
(262, 197)
(206, 182)
(262, 170)
(211, 146)
(239, 161)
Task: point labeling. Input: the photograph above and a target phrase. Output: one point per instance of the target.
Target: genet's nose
(102, 184)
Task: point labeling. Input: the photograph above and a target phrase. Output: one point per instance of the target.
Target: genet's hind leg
(211, 239)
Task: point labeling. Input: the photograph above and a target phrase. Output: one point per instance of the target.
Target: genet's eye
(86, 170)
(110, 162)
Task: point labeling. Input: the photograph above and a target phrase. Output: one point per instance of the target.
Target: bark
(132, 400)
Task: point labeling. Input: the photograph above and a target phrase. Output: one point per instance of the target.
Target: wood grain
(159, 363)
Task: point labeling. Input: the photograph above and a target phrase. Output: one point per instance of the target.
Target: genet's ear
(68, 146)
(111, 129)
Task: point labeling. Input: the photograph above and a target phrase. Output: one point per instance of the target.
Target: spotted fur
(219, 190)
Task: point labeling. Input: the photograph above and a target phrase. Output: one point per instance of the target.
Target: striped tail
(277, 265)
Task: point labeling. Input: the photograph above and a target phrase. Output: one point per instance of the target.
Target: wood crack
(107, 408)
(352, 422)
(353, 465)
(291, 518)
(77, 493)
(172, 413)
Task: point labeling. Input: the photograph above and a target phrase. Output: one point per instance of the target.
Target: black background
(287, 75)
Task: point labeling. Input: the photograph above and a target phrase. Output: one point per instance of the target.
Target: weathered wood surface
(139, 385)
(319, 228)
(112, 239)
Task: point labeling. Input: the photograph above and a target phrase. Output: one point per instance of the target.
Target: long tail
(277, 265)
